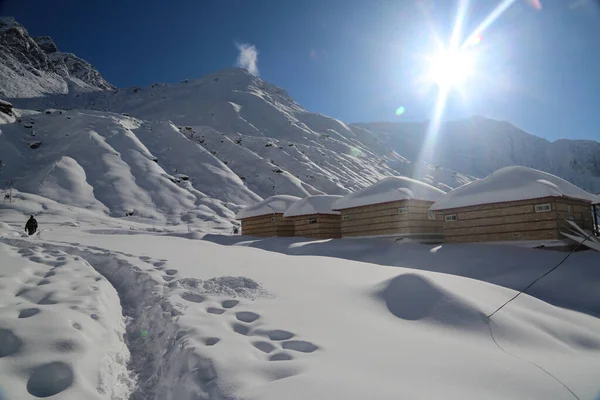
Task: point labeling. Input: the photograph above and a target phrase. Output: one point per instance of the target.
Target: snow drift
(511, 184)
(313, 205)
(389, 189)
(271, 205)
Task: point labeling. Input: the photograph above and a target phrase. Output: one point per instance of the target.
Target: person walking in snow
(31, 225)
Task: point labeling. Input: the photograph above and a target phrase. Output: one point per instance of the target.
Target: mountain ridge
(198, 150)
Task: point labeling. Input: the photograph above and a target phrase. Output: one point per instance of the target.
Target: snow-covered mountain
(478, 146)
(198, 150)
(33, 66)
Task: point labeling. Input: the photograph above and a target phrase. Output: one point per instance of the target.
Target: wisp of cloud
(248, 57)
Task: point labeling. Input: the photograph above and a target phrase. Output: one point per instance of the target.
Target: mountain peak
(33, 66)
(46, 43)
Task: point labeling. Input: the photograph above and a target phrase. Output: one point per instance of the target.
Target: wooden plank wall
(383, 219)
(511, 221)
(326, 227)
(582, 213)
(266, 227)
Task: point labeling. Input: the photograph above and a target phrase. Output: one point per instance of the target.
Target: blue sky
(355, 60)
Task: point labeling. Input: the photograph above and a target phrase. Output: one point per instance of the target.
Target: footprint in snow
(265, 347)
(215, 310)
(193, 297)
(211, 341)
(9, 343)
(281, 356)
(50, 379)
(171, 272)
(247, 316)
(28, 312)
(230, 303)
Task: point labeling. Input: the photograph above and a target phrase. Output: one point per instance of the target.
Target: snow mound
(271, 205)
(233, 286)
(389, 189)
(321, 204)
(511, 184)
(413, 297)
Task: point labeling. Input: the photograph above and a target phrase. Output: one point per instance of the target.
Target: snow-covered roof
(511, 184)
(596, 200)
(320, 204)
(388, 189)
(271, 205)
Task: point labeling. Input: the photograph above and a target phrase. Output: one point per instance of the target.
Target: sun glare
(450, 69)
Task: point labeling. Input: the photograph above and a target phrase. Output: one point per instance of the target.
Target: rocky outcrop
(33, 66)
(6, 107)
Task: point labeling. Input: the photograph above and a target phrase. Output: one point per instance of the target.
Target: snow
(389, 189)
(313, 205)
(511, 184)
(596, 200)
(61, 322)
(105, 162)
(210, 316)
(271, 205)
(100, 305)
(478, 146)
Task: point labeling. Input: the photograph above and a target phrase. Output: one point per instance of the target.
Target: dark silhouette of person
(31, 225)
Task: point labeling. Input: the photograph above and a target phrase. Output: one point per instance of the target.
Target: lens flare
(475, 40)
(400, 110)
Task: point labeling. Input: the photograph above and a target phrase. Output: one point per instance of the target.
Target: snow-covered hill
(120, 166)
(33, 66)
(266, 138)
(478, 146)
(236, 137)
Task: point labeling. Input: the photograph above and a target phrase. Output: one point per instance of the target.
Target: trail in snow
(164, 362)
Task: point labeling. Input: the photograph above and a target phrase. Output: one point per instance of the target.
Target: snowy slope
(224, 321)
(263, 135)
(478, 146)
(120, 166)
(511, 184)
(31, 67)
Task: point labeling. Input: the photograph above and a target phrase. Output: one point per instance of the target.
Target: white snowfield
(313, 205)
(511, 184)
(94, 308)
(389, 189)
(271, 205)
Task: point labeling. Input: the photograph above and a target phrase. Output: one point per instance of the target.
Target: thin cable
(488, 323)
(533, 283)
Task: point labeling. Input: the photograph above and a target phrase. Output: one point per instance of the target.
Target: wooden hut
(513, 203)
(313, 217)
(394, 207)
(266, 217)
(595, 216)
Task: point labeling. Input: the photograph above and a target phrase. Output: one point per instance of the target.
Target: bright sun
(450, 69)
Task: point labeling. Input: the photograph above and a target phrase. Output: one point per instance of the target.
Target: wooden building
(266, 217)
(394, 207)
(313, 217)
(596, 216)
(512, 204)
